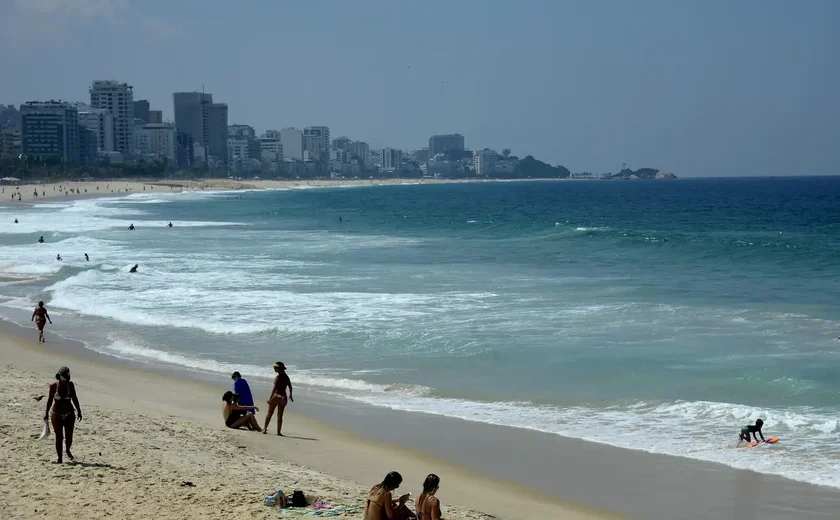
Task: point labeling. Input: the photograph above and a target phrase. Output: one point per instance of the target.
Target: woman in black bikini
(381, 504)
(237, 416)
(63, 415)
(278, 399)
(40, 317)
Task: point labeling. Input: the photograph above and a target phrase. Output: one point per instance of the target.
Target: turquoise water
(638, 314)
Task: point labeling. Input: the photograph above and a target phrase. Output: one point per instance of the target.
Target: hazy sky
(696, 87)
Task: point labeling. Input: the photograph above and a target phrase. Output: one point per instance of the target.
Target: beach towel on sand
(320, 513)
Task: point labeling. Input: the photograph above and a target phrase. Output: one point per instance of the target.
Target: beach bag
(278, 499)
(45, 432)
(299, 499)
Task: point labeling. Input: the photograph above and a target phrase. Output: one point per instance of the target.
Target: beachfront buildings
(443, 143)
(158, 139)
(50, 130)
(217, 128)
(484, 161)
(101, 123)
(358, 150)
(291, 139)
(391, 160)
(191, 116)
(117, 98)
(317, 143)
(156, 116)
(141, 110)
(10, 143)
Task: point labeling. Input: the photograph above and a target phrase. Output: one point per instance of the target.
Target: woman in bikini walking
(62, 400)
(278, 399)
(40, 316)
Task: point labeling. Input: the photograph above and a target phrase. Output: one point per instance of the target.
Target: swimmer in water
(87, 258)
(41, 240)
(58, 257)
(131, 227)
(133, 269)
(16, 221)
(170, 224)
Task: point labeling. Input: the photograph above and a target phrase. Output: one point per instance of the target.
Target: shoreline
(347, 464)
(116, 188)
(563, 478)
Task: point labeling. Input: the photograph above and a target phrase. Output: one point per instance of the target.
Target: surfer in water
(133, 269)
(752, 429)
(41, 240)
(131, 227)
(170, 224)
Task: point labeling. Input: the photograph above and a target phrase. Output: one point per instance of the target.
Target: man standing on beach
(243, 390)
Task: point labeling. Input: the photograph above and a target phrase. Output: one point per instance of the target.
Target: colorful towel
(320, 513)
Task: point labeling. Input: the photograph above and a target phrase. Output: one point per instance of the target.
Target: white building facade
(157, 139)
(117, 98)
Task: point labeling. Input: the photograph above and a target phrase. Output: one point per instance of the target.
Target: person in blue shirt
(240, 387)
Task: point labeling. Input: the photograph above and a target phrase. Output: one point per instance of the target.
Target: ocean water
(658, 316)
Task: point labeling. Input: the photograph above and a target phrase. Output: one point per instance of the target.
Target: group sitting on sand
(381, 504)
(238, 407)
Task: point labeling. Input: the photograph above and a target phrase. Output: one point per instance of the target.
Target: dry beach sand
(146, 437)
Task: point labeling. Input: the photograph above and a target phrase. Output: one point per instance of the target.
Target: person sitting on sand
(243, 390)
(133, 269)
(428, 505)
(62, 415)
(278, 399)
(381, 504)
(40, 316)
(236, 416)
(751, 429)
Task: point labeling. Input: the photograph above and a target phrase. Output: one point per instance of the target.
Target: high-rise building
(340, 143)
(50, 130)
(117, 98)
(273, 134)
(10, 143)
(155, 117)
(159, 139)
(101, 123)
(141, 110)
(184, 149)
(484, 161)
(238, 149)
(217, 127)
(442, 143)
(358, 150)
(271, 152)
(292, 141)
(317, 142)
(391, 159)
(241, 131)
(88, 145)
(422, 155)
(191, 116)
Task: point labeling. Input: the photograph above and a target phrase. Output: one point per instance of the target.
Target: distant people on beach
(278, 400)
(62, 399)
(58, 257)
(41, 240)
(243, 390)
(131, 227)
(236, 416)
(40, 316)
(87, 258)
(133, 269)
(428, 505)
(381, 504)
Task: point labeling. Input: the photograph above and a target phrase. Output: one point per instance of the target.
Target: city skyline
(716, 89)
